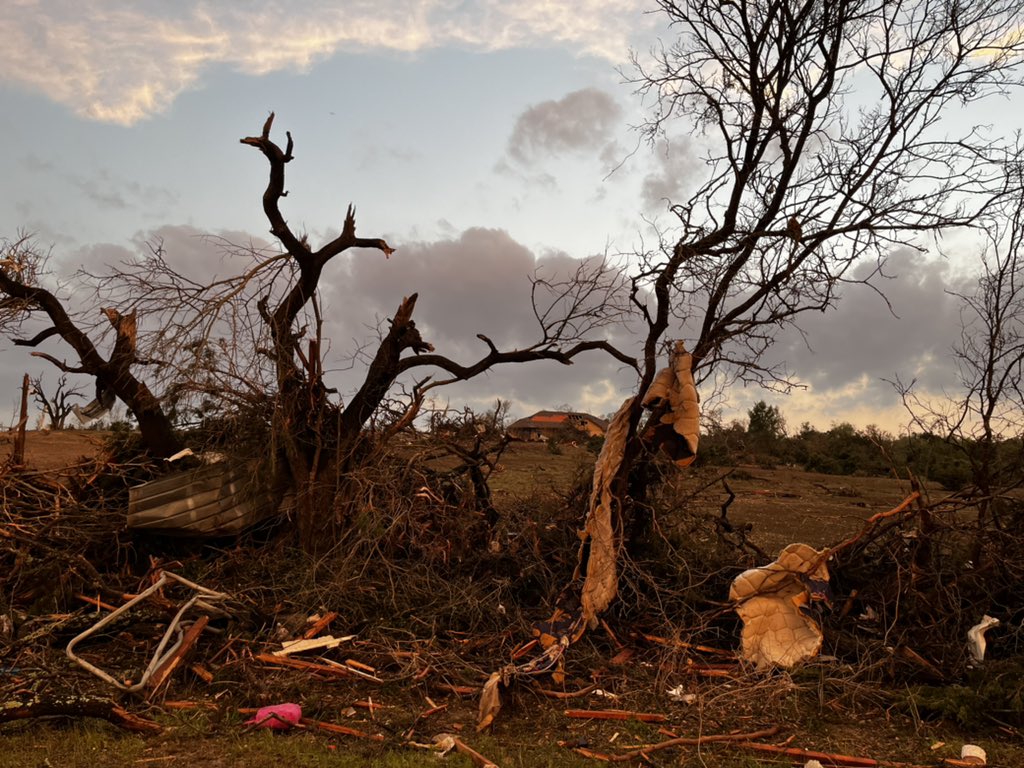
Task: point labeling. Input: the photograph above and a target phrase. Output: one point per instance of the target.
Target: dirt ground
(48, 450)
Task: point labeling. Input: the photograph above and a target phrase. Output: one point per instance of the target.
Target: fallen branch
(478, 760)
(566, 694)
(75, 706)
(682, 741)
(872, 521)
(615, 714)
(826, 758)
(343, 730)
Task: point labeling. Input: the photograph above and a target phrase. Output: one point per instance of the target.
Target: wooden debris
(478, 760)
(188, 705)
(164, 671)
(202, 673)
(96, 601)
(683, 741)
(827, 758)
(320, 625)
(343, 730)
(360, 666)
(690, 646)
(332, 670)
(354, 668)
(370, 705)
(615, 714)
(567, 694)
(22, 707)
(309, 644)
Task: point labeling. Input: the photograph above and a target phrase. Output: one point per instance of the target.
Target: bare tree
(984, 420)
(24, 298)
(826, 142)
(58, 405)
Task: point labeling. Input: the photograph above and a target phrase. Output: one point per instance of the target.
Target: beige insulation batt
(601, 583)
(776, 632)
(673, 389)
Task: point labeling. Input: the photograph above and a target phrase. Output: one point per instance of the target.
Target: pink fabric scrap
(278, 717)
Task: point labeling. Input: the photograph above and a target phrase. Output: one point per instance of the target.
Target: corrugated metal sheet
(215, 499)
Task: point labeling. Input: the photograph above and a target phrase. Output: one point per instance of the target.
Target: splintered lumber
(165, 670)
(74, 705)
(615, 714)
(320, 625)
(308, 644)
(343, 730)
(333, 670)
(682, 741)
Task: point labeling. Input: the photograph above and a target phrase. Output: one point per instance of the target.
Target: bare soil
(50, 450)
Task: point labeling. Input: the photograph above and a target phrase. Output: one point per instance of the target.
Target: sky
(484, 140)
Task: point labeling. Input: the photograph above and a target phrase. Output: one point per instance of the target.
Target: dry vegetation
(435, 604)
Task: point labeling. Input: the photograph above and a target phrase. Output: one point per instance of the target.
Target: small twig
(615, 714)
(683, 741)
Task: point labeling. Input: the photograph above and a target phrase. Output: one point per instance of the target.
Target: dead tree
(984, 421)
(58, 405)
(22, 298)
(322, 440)
(826, 144)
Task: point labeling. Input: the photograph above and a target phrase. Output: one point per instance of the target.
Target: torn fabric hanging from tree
(672, 398)
(673, 427)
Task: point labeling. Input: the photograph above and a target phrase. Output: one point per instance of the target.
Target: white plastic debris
(813, 764)
(679, 694)
(976, 643)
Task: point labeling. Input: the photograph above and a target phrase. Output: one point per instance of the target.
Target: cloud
(120, 64)
(584, 120)
(851, 353)
(676, 165)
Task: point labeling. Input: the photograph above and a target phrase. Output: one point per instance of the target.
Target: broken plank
(298, 646)
(164, 671)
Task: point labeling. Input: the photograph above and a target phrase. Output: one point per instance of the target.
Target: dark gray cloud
(478, 282)
(582, 121)
(863, 336)
(676, 166)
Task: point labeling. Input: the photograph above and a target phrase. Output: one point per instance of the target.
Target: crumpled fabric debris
(772, 602)
(673, 394)
(601, 583)
(276, 717)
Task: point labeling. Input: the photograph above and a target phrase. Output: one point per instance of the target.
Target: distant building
(560, 425)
